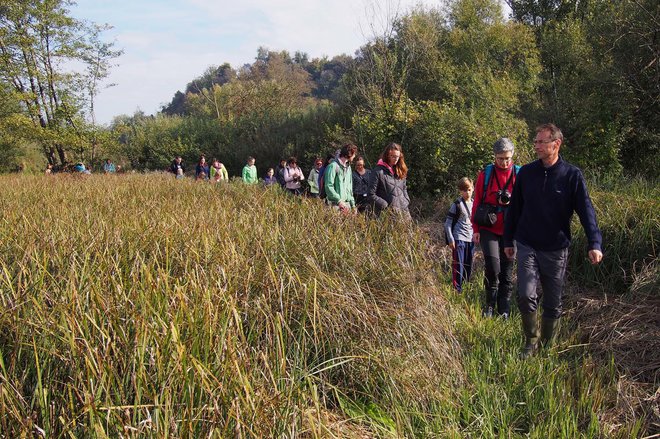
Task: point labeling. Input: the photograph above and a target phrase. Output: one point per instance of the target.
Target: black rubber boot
(531, 331)
(549, 330)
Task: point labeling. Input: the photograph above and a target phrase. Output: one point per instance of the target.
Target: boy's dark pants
(498, 272)
(461, 267)
(550, 268)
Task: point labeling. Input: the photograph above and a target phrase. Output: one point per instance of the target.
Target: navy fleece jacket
(542, 206)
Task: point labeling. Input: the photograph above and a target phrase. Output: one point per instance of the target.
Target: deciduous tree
(40, 47)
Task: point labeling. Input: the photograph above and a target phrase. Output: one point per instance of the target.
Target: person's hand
(452, 245)
(344, 208)
(510, 252)
(476, 237)
(595, 256)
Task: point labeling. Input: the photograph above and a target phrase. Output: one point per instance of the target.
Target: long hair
(400, 169)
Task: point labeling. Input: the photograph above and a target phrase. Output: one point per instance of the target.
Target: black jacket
(361, 183)
(174, 167)
(542, 206)
(387, 191)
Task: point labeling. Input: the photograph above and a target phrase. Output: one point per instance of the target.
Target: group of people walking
(333, 180)
(522, 213)
(511, 211)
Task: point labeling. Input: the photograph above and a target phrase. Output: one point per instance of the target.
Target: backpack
(454, 216)
(488, 172)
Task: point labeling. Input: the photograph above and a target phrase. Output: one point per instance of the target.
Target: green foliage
(480, 69)
(152, 142)
(599, 80)
(38, 39)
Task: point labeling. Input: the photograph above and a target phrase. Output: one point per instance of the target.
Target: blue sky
(168, 43)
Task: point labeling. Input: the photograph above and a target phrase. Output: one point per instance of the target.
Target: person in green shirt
(249, 173)
(338, 180)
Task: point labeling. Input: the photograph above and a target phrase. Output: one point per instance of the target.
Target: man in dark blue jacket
(546, 194)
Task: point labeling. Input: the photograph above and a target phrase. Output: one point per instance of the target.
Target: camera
(503, 197)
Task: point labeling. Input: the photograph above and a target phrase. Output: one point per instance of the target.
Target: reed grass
(143, 306)
(629, 219)
(140, 304)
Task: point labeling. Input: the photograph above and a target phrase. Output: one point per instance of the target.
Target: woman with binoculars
(492, 195)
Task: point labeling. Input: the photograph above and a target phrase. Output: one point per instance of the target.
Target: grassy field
(144, 306)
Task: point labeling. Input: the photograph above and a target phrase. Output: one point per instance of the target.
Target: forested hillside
(443, 82)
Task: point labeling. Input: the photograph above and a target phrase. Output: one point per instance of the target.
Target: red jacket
(502, 175)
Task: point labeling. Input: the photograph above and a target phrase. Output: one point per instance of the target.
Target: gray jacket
(387, 191)
(463, 229)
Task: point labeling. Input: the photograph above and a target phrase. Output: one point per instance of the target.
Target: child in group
(249, 173)
(458, 233)
(270, 178)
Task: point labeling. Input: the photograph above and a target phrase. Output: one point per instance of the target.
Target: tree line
(443, 82)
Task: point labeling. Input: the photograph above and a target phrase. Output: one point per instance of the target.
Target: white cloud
(169, 43)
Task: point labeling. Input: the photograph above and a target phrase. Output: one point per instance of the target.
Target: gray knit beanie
(503, 144)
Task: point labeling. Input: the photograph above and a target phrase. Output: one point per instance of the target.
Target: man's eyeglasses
(542, 142)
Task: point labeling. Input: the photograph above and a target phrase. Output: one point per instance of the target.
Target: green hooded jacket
(249, 174)
(338, 184)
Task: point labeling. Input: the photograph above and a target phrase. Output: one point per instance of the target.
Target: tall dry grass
(143, 305)
(628, 216)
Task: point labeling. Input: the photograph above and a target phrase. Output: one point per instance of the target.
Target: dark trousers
(461, 267)
(361, 202)
(548, 267)
(498, 272)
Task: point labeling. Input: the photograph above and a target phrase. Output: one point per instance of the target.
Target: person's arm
(245, 174)
(478, 194)
(223, 173)
(450, 218)
(329, 183)
(374, 180)
(587, 214)
(512, 216)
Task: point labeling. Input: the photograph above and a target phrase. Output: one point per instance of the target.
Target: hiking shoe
(488, 312)
(504, 316)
